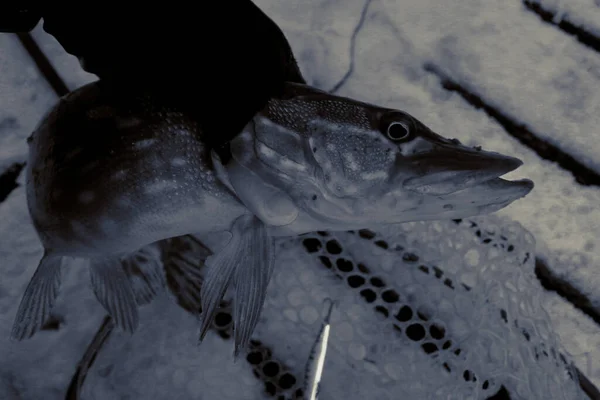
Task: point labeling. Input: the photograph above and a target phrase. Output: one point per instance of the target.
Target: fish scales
(110, 173)
(114, 177)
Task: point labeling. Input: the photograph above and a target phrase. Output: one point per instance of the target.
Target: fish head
(313, 160)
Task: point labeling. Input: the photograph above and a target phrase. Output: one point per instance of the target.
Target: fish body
(109, 174)
(105, 177)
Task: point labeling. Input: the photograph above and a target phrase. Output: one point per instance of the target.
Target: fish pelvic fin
(247, 260)
(39, 297)
(184, 260)
(114, 291)
(251, 282)
(144, 269)
(220, 269)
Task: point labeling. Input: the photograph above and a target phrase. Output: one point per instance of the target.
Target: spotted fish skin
(109, 176)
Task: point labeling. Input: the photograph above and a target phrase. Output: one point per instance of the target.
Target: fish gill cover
(424, 311)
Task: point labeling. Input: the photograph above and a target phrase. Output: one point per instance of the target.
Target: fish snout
(448, 168)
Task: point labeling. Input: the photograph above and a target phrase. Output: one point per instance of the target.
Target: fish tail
(114, 291)
(39, 297)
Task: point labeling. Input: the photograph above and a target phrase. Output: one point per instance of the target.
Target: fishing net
(430, 310)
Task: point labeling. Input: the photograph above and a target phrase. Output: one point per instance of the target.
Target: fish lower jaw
(488, 188)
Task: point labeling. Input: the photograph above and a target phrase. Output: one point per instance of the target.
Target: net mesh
(440, 310)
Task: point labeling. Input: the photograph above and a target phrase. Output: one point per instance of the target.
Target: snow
(563, 215)
(530, 70)
(26, 366)
(66, 64)
(25, 95)
(468, 41)
(578, 333)
(367, 355)
(581, 13)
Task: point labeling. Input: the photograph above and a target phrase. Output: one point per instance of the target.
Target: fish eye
(398, 131)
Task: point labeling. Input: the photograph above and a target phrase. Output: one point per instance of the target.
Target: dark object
(19, 16)
(43, 64)
(218, 61)
(102, 335)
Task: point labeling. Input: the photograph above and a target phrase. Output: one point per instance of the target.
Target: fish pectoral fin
(220, 268)
(114, 291)
(145, 272)
(39, 297)
(247, 260)
(251, 282)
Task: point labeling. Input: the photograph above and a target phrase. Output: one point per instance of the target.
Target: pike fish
(109, 174)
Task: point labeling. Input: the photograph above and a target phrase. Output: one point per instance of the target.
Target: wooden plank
(24, 98)
(584, 14)
(531, 70)
(320, 34)
(562, 215)
(578, 333)
(65, 64)
(387, 70)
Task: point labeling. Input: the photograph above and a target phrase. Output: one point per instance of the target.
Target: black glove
(19, 16)
(219, 60)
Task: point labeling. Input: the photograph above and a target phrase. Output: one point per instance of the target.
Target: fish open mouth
(465, 176)
(449, 170)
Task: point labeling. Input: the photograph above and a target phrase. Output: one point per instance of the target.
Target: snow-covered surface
(42, 367)
(578, 333)
(25, 97)
(582, 13)
(563, 215)
(66, 65)
(377, 350)
(390, 49)
(525, 67)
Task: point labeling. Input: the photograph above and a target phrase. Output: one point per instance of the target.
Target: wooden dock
(517, 77)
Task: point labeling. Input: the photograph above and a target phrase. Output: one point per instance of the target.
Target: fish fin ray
(113, 290)
(144, 269)
(185, 258)
(251, 282)
(221, 267)
(39, 297)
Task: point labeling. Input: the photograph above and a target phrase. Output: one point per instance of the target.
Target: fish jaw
(447, 168)
(342, 164)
